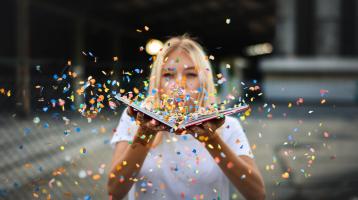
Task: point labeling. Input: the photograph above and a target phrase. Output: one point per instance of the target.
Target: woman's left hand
(205, 131)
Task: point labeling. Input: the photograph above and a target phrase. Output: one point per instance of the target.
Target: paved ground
(33, 164)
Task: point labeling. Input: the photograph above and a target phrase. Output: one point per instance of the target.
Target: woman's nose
(181, 81)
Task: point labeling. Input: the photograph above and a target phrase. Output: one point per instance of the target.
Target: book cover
(189, 121)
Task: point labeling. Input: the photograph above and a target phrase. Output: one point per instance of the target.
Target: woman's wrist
(207, 137)
(143, 137)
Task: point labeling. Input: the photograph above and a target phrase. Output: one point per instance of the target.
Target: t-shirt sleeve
(123, 131)
(237, 139)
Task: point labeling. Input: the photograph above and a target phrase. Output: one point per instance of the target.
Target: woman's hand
(205, 131)
(148, 127)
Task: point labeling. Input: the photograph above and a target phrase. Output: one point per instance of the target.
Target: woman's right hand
(147, 126)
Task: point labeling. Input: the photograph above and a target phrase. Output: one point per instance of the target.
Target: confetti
(227, 21)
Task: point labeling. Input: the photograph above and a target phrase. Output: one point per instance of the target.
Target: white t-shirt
(181, 167)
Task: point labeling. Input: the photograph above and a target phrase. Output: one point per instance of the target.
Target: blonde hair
(207, 96)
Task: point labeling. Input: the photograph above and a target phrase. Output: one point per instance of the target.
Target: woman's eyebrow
(190, 67)
(169, 69)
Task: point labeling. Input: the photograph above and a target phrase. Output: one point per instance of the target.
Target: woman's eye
(192, 75)
(167, 75)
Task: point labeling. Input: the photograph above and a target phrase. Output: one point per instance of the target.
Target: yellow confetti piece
(62, 148)
(83, 150)
(112, 175)
(96, 177)
(285, 175)
(253, 146)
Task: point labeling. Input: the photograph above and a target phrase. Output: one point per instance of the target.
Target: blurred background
(294, 61)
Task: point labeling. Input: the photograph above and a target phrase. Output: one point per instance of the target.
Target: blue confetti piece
(78, 129)
(27, 131)
(187, 97)
(55, 76)
(106, 141)
(290, 138)
(66, 133)
(137, 70)
(154, 91)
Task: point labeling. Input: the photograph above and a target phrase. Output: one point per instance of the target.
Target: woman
(196, 163)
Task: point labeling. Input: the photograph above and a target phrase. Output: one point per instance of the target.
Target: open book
(186, 123)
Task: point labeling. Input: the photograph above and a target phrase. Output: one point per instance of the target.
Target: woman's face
(180, 77)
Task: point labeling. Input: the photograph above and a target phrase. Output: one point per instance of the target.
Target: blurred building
(316, 50)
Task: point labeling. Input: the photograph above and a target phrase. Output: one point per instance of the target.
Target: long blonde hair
(207, 96)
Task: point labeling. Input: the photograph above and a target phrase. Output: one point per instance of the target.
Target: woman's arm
(240, 170)
(128, 159)
(126, 164)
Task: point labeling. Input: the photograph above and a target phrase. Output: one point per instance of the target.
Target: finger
(154, 122)
(179, 131)
(196, 129)
(164, 127)
(208, 126)
(131, 112)
(140, 117)
(221, 121)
